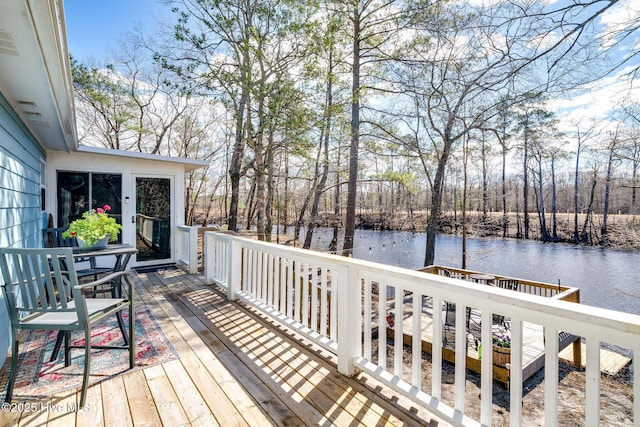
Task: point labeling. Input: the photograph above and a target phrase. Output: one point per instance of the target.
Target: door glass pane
(73, 196)
(153, 218)
(106, 189)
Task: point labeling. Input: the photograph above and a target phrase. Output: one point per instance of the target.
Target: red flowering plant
(94, 225)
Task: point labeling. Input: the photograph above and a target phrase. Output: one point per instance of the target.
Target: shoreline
(623, 231)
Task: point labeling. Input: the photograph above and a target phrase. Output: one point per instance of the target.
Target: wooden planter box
(501, 355)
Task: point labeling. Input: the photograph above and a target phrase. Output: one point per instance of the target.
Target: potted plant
(95, 229)
(502, 350)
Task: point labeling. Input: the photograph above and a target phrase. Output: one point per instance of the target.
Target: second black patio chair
(52, 238)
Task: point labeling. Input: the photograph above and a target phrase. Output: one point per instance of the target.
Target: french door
(153, 220)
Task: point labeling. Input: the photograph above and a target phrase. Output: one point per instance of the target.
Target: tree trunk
(525, 185)
(584, 236)
(269, 196)
(352, 185)
(314, 192)
(634, 190)
(324, 147)
(259, 167)
(485, 185)
(235, 168)
(518, 221)
(303, 211)
(505, 219)
(554, 206)
(465, 155)
(544, 233)
(333, 246)
(576, 235)
(605, 211)
(250, 205)
(285, 204)
(436, 204)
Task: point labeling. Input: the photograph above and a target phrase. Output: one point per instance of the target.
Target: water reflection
(606, 278)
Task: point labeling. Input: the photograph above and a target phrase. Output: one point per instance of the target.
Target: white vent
(25, 103)
(8, 44)
(40, 123)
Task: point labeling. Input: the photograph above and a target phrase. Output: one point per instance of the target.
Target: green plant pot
(101, 244)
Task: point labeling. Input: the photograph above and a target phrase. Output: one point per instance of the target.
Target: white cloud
(617, 20)
(596, 102)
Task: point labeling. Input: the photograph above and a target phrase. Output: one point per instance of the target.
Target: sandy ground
(616, 392)
(617, 399)
(616, 395)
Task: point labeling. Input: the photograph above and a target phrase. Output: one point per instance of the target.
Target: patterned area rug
(37, 377)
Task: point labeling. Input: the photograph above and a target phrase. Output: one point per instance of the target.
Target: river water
(607, 278)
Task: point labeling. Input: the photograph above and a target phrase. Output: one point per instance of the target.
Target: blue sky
(94, 25)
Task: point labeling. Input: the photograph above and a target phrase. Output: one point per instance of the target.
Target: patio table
(485, 279)
(122, 254)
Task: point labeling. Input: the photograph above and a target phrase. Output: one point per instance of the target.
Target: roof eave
(189, 164)
(35, 73)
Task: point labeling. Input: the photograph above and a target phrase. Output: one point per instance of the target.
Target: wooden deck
(235, 369)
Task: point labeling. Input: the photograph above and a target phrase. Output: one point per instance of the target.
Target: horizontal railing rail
(367, 314)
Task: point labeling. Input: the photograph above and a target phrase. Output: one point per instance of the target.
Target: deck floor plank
(192, 401)
(369, 401)
(188, 343)
(63, 410)
(227, 318)
(117, 411)
(93, 414)
(145, 411)
(13, 418)
(611, 363)
(169, 406)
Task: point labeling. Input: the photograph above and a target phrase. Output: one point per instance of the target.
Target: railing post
(349, 320)
(193, 250)
(208, 253)
(234, 269)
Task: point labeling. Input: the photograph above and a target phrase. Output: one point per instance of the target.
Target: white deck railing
(333, 301)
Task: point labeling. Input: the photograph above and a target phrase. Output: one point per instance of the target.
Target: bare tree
(612, 158)
(104, 111)
(500, 129)
(581, 136)
(376, 34)
(555, 153)
(586, 236)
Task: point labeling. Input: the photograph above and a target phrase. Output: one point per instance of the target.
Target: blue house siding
(20, 210)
